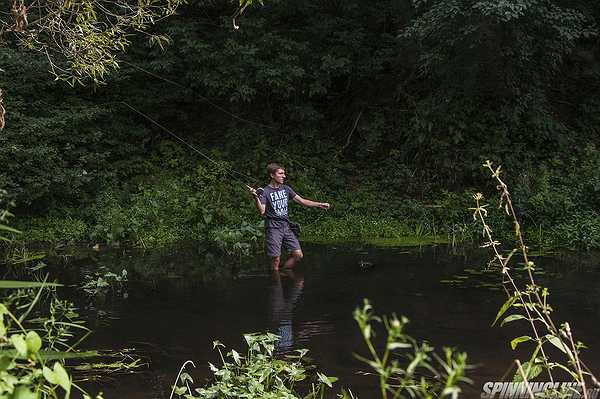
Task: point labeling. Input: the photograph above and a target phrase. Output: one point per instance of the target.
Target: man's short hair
(273, 167)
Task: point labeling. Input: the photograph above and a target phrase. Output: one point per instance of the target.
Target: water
(179, 301)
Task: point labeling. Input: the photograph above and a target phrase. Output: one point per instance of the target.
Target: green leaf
(19, 343)
(180, 391)
(50, 355)
(505, 307)
(556, 341)
(236, 357)
(572, 373)
(34, 342)
(50, 376)
(398, 345)
(512, 317)
(518, 340)
(326, 380)
(11, 284)
(185, 377)
(9, 229)
(531, 371)
(23, 392)
(3, 311)
(6, 363)
(367, 331)
(62, 376)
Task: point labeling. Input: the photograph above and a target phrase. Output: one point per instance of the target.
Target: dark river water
(178, 301)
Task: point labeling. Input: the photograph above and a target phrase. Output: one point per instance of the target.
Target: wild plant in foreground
(257, 374)
(528, 301)
(407, 368)
(39, 332)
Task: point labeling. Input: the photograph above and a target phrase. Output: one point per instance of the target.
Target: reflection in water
(282, 299)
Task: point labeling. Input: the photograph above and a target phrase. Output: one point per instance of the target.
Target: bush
(580, 231)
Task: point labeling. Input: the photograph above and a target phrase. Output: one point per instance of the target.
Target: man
(272, 203)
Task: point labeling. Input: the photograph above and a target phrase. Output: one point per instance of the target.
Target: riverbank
(240, 231)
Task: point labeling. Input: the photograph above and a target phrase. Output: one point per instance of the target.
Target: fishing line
(239, 118)
(159, 77)
(231, 172)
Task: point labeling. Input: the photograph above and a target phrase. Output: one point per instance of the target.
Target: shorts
(275, 237)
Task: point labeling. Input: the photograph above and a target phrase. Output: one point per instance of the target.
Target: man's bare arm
(311, 204)
(259, 206)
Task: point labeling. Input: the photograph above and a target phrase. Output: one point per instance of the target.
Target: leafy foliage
(527, 300)
(37, 328)
(81, 38)
(257, 373)
(407, 368)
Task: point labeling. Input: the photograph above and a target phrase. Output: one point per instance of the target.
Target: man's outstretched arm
(311, 204)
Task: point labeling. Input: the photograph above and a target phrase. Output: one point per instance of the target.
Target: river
(177, 301)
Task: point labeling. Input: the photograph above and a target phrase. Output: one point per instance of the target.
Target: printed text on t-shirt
(279, 202)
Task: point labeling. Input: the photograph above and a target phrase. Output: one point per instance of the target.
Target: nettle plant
(257, 374)
(528, 302)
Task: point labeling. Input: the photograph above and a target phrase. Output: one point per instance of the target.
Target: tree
(81, 38)
(490, 72)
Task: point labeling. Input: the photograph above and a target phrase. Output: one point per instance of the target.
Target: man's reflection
(286, 288)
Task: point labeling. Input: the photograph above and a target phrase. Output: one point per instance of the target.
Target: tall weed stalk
(528, 301)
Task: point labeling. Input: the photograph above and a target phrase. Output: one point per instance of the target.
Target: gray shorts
(275, 237)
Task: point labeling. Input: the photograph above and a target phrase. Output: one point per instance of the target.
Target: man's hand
(324, 205)
(252, 191)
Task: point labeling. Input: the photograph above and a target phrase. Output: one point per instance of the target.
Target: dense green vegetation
(386, 109)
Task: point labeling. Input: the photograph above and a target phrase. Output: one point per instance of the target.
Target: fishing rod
(231, 171)
(207, 100)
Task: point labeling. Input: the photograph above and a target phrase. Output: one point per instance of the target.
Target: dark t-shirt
(276, 205)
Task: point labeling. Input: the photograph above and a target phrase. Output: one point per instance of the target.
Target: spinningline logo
(519, 390)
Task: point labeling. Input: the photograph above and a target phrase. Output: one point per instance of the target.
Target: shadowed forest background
(386, 109)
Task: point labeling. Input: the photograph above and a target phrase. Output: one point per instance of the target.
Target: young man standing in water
(272, 203)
